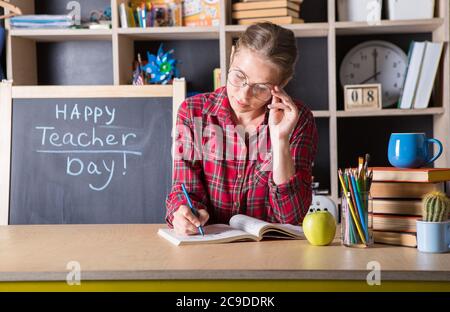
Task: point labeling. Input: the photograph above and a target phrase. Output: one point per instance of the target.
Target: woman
(274, 186)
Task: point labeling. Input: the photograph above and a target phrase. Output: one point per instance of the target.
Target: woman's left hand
(283, 115)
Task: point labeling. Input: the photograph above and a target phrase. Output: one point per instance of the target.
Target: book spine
(395, 223)
(403, 190)
(402, 98)
(429, 68)
(393, 238)
(264, 13)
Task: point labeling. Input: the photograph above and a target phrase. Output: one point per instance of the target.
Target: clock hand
(375, 56)
(371, 77)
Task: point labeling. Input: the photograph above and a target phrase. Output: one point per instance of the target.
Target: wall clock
(376, 61)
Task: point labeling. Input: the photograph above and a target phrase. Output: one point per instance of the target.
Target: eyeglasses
(260, 91)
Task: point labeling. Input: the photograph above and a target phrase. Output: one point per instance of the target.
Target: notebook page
(248, 224)
(213, 233)
(295, 231)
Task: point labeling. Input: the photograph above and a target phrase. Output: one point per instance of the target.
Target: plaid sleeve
(186, 168)
(290, 201)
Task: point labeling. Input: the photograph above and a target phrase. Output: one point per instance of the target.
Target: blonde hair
(274, 42)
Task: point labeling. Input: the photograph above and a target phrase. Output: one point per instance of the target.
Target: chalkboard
(90, 160)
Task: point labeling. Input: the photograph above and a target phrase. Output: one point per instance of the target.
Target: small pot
(433, 237)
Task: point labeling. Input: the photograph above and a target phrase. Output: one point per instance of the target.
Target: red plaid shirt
(226, 186)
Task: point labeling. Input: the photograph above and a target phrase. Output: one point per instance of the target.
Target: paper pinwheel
(160, 68)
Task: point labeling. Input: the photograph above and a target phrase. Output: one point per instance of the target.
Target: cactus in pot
(435, 207)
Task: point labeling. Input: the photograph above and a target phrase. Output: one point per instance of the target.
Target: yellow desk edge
(227, 286)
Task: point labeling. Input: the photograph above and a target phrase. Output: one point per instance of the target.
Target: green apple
(319, 228)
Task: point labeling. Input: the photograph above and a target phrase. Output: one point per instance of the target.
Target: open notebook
(241, 228)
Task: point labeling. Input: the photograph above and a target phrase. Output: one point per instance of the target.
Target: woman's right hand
(186, 223)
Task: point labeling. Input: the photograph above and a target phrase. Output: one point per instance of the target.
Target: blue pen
(194, 211)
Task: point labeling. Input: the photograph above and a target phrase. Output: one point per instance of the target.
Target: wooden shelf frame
(23, 68)
(391, 112)
(389, 27)
(170, 33)
(51, 35)
(300, 30)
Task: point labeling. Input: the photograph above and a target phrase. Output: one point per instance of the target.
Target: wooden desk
(129, 257)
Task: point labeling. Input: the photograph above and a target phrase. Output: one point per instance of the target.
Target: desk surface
(136, 252)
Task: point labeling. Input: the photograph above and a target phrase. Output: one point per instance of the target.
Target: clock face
(376, 62)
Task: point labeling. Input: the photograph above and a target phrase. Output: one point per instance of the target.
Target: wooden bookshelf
(170, 33)
(392, 112)
(54, 35)
(319, 40)
(300, 30)
(389, 27)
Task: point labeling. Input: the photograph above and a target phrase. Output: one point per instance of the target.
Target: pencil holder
(356, 219)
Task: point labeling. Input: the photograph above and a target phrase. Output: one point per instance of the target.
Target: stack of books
(42, 21)
(397, 201)
(248, 12)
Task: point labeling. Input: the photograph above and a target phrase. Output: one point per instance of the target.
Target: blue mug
(433, 237)
(411, 150)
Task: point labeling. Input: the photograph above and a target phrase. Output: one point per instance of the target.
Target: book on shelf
(431, 59)
(276, 20)
(265, 13)
(404, 189)
(240, 228)
(242, 6)
(42, 21)
(415, 62)
(131, 22)
(395, 238)
(394, 174)
(123, 15)
(384, 222)
(201, 13)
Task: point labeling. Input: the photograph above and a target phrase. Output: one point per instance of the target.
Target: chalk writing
(98, 136)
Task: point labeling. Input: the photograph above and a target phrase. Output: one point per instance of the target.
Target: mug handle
(439, 144)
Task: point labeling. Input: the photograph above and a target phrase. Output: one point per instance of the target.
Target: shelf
(321, 113)
(388, 27)
(300, 30)
(63, 34)
(171, 33)
(189, 33)
(354, 28)
(391, 112)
